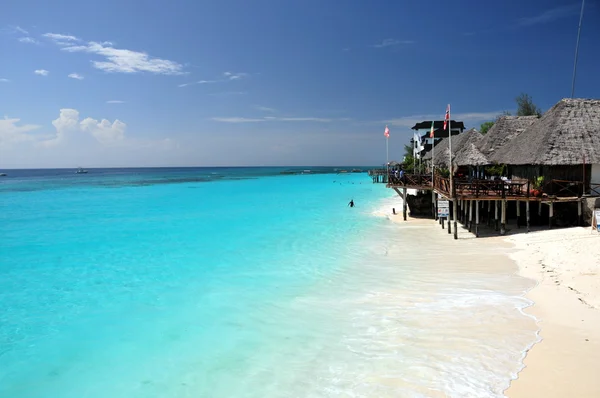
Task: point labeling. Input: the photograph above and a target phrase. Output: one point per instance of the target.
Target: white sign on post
(596, 219)
(443, 208)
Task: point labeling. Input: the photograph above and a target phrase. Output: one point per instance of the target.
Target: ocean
(244, 282)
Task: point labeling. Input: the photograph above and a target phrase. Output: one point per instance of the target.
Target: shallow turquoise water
(243, 283)
(119, 286)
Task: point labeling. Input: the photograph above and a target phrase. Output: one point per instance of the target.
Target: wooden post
(434, 204)
(454, 215)
(496, 216)
(404, 205)
(550, 214)
(579, 212)
(477, 219)
(450, 217)
(442, 222)
(470, 215)
(518, 214)
(527, 211)
(503, 221)
(489, 212)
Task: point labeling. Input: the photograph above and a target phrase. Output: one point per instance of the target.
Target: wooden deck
(552, 191)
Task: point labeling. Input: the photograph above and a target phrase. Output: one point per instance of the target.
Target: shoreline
(564, 264)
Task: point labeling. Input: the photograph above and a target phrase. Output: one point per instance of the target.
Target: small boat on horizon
(81, 171)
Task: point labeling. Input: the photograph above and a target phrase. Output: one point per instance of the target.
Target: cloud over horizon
(116, 60)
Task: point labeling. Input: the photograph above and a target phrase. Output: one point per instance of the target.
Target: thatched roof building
(565, 135)
(442, 150)
(505, 129)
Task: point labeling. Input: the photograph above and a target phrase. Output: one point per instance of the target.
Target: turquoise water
(236, 283)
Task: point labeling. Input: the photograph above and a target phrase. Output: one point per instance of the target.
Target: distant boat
(81, 171)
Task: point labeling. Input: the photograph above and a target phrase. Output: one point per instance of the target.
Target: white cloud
(57, 37)
(41, 72)
(115, 102)
(125, 61)
(265, 109)
(550, 15)
(198, 82)
(68, 126)
(28, 40)
(11, 133)
(75, 76)
(21, 30)
(234, 76)
(275, 119)
(105, 132)
(392, 43)
(3, 80)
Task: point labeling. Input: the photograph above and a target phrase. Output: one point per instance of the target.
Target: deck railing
(476, 188)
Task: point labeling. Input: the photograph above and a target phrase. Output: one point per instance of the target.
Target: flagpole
(454, 209)
(433, 171)
(577, 49)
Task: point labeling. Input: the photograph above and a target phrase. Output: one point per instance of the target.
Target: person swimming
(351, 204)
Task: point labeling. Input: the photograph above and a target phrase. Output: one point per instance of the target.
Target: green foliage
(496, 170)
(538, 182)
(444, 172)
(485, 127)
(526, 107)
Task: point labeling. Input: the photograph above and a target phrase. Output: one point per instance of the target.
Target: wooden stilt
(404, 205)
(470, 225)
(450, 216)
(579, 213)
(455, 215)
(477, 219)
(527, 211)
(518, 214)
(496, 215)
(551, 214)
(503, 221)
(442, 222)
(489, 212)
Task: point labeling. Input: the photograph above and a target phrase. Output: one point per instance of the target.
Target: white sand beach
(566, 265)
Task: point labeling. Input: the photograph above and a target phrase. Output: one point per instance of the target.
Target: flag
(431, 133)
(417, 145)
(447, 117)
(386, 132)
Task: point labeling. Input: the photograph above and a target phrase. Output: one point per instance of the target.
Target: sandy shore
(566, 265)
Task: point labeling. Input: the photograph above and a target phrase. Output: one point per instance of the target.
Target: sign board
(596, 221)
(443, 208)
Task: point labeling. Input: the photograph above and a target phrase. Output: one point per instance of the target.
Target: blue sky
(298, 82)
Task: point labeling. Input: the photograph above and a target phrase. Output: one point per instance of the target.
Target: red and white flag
(447, 117)
(386, 132)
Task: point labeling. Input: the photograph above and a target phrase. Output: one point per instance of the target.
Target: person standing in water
(351, 204)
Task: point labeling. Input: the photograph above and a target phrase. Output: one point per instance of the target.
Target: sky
(269, 82)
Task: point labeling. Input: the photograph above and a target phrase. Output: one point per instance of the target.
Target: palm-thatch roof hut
(442, 150)
(505, 129)
(558, 145)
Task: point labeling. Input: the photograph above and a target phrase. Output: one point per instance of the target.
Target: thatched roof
(503, 131)
(442, 150)
(565, 134)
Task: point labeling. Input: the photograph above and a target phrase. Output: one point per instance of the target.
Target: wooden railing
(411, 180)
(563, 188)
(493, 188)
